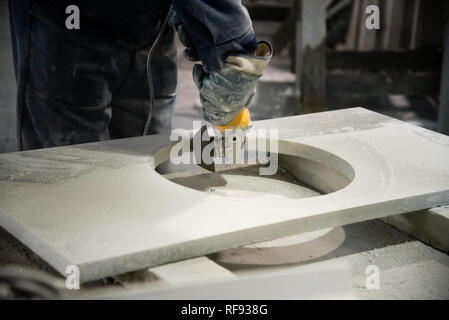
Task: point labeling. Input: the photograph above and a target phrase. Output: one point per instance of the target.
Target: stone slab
(103, 207)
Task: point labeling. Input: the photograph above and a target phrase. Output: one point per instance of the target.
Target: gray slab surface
(104, 208)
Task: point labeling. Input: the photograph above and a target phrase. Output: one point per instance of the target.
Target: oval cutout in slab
(303, 171)
(243, 182)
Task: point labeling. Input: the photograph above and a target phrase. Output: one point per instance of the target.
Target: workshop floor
(408, 268)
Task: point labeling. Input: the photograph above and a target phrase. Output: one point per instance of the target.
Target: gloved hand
(225, 92)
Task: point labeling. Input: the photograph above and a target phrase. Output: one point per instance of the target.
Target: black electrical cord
(149, 75)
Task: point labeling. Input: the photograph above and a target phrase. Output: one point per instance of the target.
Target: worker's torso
(119, 16)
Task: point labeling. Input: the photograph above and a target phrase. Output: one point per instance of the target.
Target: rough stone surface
(103, 207)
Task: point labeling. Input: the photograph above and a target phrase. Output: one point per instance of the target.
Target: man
(90, 84)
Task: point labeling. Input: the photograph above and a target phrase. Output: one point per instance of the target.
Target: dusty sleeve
(217, 29)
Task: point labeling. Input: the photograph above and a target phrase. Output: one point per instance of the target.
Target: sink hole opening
(303, 171)
(241, 181)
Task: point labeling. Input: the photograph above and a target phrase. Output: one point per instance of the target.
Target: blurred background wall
(7, 84)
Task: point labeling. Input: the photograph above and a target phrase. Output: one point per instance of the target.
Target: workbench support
(429, 226)
(311, 55)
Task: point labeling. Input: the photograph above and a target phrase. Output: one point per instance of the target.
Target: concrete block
(430, 226)
(195, 270)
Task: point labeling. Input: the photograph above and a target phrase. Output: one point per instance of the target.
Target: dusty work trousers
(85, 85)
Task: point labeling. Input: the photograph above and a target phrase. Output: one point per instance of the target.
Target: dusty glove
(225, 92)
